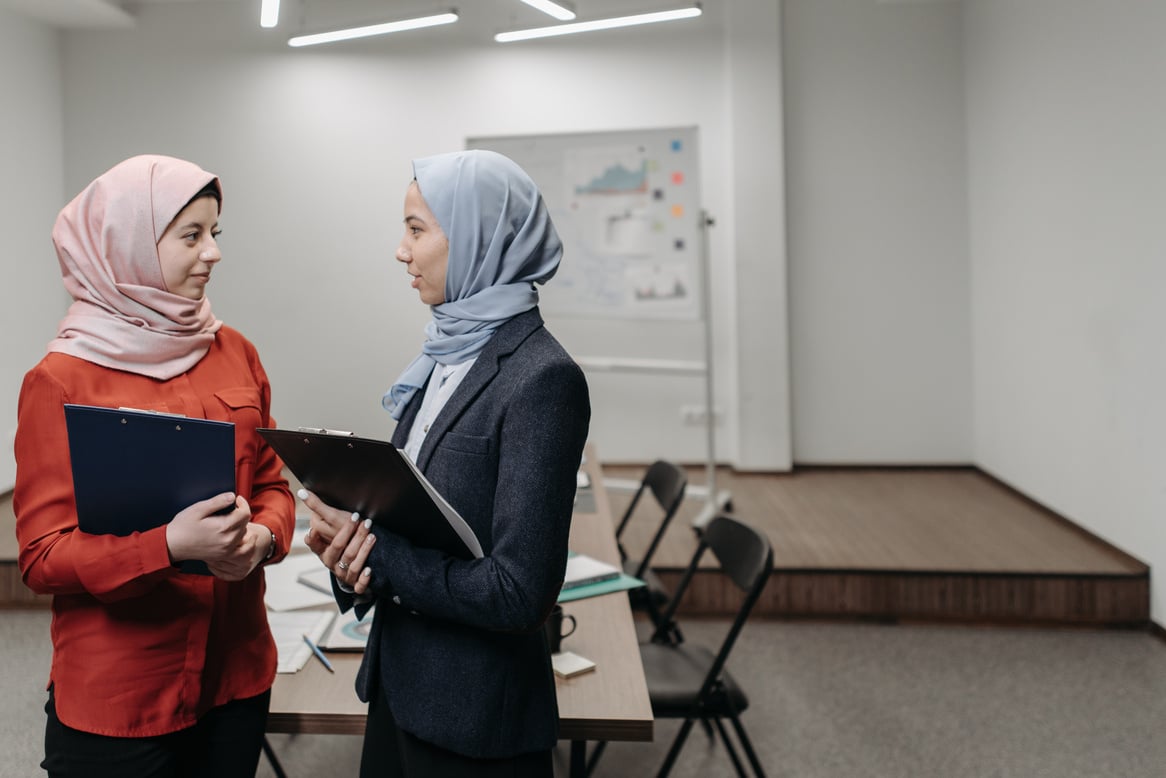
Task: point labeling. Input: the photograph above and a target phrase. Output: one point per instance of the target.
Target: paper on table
(298, 546)
(319, 579)
(289, 627)
(347, 632)
(285, 592)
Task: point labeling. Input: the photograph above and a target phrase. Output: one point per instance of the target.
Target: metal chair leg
(674, 751)
(748, 746)
(740, 768)
(708, 729)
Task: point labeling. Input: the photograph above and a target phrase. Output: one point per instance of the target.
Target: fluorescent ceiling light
(598, 24)
(269, 13)
(561, 11)
(373, 29)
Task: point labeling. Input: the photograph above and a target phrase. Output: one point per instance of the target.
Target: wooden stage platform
(890, 544)
(903, 544)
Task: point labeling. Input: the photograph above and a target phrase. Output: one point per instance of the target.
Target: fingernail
(366, 572)
(367, 523)
(302, 494)
(355, 516)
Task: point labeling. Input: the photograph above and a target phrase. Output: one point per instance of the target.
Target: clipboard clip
(153, 413)
(324, 431)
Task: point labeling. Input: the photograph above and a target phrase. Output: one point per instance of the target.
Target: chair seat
(675, 674)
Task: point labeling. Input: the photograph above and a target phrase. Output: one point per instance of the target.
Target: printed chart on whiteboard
(627, 207)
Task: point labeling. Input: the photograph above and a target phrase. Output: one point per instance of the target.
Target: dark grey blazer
(456, 645)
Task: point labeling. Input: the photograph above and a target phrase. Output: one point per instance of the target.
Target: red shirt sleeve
(56, 557)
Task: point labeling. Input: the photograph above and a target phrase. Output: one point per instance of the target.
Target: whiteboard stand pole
(714, 501)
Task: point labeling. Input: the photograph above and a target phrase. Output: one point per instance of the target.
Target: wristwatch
(270, 549)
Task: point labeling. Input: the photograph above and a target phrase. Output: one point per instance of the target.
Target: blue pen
(319, 654)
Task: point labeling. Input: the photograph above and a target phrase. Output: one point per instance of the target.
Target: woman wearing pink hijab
(155, 672)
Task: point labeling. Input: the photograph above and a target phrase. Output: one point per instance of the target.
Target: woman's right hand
(197, 533)
(341, 540)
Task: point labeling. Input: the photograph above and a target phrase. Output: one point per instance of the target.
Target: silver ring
(342, 565)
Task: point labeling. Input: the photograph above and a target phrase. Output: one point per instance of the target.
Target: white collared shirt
(442, 382)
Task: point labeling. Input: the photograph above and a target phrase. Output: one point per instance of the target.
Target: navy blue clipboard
(134, 470)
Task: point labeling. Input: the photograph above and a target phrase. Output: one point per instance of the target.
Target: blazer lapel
(506, 339)
(401, 431)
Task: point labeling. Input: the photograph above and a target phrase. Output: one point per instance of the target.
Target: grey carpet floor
(828, 700)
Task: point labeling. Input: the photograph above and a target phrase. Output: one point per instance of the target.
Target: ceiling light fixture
(560, 10)
(373, 29)
(598, 24)
(269, 13)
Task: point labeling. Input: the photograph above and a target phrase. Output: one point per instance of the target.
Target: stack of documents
(583, 570)
(286, 592)
(289, 628)
(589, 577)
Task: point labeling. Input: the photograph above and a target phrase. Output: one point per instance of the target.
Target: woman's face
(188, 249)
(424, 248)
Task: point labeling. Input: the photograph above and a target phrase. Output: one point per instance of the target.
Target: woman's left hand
(244, 557)
(341, 540)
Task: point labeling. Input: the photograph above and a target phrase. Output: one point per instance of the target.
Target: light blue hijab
(501, 243)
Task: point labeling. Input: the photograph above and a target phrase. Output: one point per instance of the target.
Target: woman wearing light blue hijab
(495, 413)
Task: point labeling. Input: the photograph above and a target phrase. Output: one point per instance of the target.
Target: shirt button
(425, 428)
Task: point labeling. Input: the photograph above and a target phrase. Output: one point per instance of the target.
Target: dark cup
(554, 628)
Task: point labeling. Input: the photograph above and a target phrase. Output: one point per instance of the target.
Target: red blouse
(140, 649)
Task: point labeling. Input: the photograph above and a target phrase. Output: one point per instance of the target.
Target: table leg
(578, 759)
(276, 767)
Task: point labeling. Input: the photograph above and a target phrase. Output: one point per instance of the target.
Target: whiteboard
(626, 205)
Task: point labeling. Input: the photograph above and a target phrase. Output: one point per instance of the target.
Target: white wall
(878, 263)
(31, 296)
(314, 146)
(759, 264)
(1067, 181)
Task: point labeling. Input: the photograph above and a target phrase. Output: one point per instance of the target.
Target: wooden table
(610, 703)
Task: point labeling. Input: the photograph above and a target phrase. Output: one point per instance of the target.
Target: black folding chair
(690, 682)
(666, 482)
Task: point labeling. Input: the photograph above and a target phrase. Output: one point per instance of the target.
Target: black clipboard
(134, 470)
(375, 479)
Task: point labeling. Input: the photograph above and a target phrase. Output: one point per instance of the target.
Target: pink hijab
(122, 316)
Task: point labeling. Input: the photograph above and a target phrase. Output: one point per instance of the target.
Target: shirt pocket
(243, 405)
(244, 409)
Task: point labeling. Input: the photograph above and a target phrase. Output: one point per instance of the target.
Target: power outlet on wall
(697, 415)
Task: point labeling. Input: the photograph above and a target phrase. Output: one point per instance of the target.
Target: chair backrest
(667, 482)
(746, 558)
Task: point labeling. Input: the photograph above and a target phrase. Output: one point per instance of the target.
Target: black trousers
(390, 752)
(225, 743)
